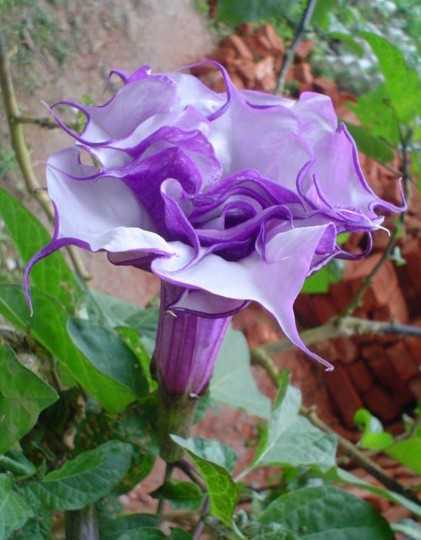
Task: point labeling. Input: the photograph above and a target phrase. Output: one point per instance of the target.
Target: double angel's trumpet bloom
(227, 197)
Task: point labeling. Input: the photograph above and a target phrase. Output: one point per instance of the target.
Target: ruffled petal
(274, 283)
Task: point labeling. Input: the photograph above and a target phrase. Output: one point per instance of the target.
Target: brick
(346, 350)
(245, 29)
(324, 308)
(381, 404)
(343, 394)
(415, 388)
(396, 513)
(275, 40)
(414, 349)
(303, 73)
(304, 49)
(264, 67)
(360, 376)
(325, 86)
(403, 365)
(238, 44)
(246, 69)
(268, 83)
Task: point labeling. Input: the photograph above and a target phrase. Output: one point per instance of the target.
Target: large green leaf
(180, 494)
(291, 440)
(109, 354)
(340, 475)
(369, 145)
(402, 84)
(22, 397)
(14, 511)
(324, 513)
(209, 450)
(84, 479)
(233, 382)
(52, 275)
(375, 112)
(222, 490)
(48, 327)
(37, 528)
(134, 527)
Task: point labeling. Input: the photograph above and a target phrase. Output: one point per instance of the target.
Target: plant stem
(290, 52)
(161, 502)
(175, 417)
(20, 148)
(82, 524)
(342, 327)
(198, 530)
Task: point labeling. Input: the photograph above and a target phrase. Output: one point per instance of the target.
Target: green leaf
(402, 83)
(52, 275)
(340, 475)
(373, 437)
(22, 397)
(134, 527)
(37, 528)
(15, 462)
(84, 479)
(115, 310)
(48, 327)
(376, 114)
(209, 450)
(234, 12)
(324, 513)
(233, 382)
(222, 490)
(180, 494)
(348, 41)
(320, 281)
(369, 145)
(146, 323)
(321, 13)
(179, 534)
(291, 440)
(109, 354)
(14, 511)
(407, 452)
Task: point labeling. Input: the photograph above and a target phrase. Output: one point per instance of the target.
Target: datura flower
(227, 197)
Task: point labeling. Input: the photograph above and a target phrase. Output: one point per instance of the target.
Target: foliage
(78, 397)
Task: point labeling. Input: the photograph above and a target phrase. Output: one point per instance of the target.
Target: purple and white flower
(227, 197)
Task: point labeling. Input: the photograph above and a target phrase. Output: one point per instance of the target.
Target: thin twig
(200, 525)
(290, 52)
(342, 327)
(189, 471)
(266, 362)
(22, 153)
(169, 467)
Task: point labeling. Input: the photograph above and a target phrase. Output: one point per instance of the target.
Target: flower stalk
(187, 347)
